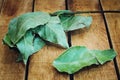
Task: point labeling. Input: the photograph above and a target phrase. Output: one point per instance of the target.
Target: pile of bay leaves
(29, 33)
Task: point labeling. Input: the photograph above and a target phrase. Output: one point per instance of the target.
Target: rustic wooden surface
(49, 6)
(40, 67)
(111, 5)
(94, 38)
(113, 20)
(83, 5)
(9, 69)
(1, 2)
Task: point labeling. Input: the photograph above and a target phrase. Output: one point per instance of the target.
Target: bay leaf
(19, 26)
(28, 45)
(78, 57)
(6, 40)
(62, 12)
(53, 32)
(71, 22)
(78, 22)
(104, 55)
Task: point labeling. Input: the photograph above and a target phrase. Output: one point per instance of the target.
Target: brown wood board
(40, 65)
(49, 6)
(10, 70)
(83, 5)
(113, 20)
(94, 38)
(1, 3)
(111, 4)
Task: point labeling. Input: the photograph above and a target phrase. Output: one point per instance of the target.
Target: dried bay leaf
(53, 32)
(20, 25)
(71, 22)
(78, 57)
(28, 46)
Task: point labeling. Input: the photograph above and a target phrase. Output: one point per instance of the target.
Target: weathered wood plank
(111, 4)
(14, 8)
(1, 3)
(83, 5)
(49, 6)
(94, 38)
(40, 65)
(9, 69)
(113, 20)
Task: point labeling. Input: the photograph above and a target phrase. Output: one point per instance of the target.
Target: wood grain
(111, 4)
(1, 3)
(40, 66)
(94, 38)
(49, 6)
(83, 5)
(10, 70)
(113, 20)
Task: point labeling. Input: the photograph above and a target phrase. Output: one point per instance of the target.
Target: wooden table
(104, 33)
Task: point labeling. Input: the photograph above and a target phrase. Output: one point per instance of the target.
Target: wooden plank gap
(40, 66)
(66, 4)
(27, 65)
(69, 38)
(109, 40)
(80, 12)
(33, 5)
(71, 76)
(83, 12)
(27, 69)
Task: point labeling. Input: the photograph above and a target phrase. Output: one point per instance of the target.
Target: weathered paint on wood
(113, 20)
(9, 69)
(40, 66)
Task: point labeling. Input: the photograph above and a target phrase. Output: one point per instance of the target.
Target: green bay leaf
(6, 40)
(78, 22)
(62, 12)
(105, 55)
(19, 26)
(28, 45)
(71, 22)
(78, 57)
(53, 32)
